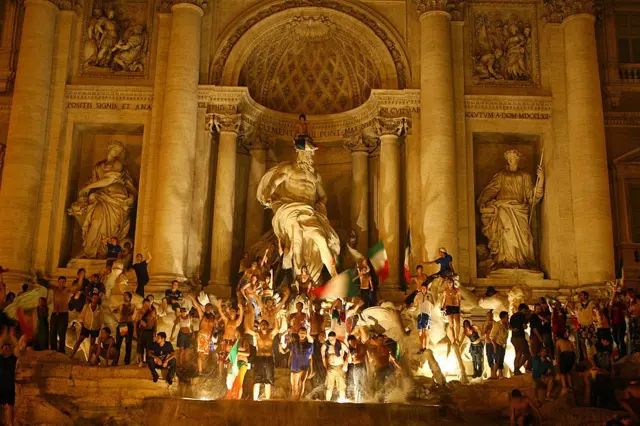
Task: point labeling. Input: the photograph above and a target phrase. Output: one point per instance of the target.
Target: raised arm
(285, 297)
(197, 305)
(149, 257)
(224, 316)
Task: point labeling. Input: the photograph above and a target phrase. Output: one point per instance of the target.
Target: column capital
(260, 142)
(227, 123)
(166, 5)
(556, 11)
(452, 8)
(360, 143)
(396, 126)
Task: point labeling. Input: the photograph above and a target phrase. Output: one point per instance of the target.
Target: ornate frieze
(555, 11)
(111, 98)
(360, 143)
(390, 41)
(504, 45)
(116, 39)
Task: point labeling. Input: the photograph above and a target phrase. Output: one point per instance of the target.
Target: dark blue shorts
(184, 340)
(424, 321)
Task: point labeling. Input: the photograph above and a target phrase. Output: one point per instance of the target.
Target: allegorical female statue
(505, 206)
(104, 205)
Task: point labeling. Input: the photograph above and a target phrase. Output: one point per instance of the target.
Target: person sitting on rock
(162, 355)
(104, 348)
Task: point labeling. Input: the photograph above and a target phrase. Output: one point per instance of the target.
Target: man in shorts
(335, 359)
(424, 306)
(263, 364)
(91, 321)
(451, 307)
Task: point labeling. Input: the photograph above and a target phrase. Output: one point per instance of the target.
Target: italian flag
(407, 253)
(340, 286)
(232, 374)
(378, 258)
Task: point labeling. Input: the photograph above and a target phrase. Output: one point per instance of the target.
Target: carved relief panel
(116, 36)
(504, 45)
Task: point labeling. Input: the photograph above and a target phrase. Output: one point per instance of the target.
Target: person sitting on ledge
(174, 296)
(104, 348)
(113, 247)
(445, 260)
(162, 355)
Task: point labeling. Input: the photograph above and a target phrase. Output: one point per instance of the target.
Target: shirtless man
(299, 319)
(145, 330)
(232, 320)
(451, 307)
(270, 309)
(335, 358)
(417, 280)
(124, 330)
(357, 366)
(383, 359)
(366, 285)
(523, 410)
(629, 399)
(316, 320)
(264, 365)
(205, 331)
(59, 316)
(565, 358)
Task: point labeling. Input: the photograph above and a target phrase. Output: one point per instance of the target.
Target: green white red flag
(378, 258)
(340, 286)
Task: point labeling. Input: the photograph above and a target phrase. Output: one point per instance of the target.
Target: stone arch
(369, 29)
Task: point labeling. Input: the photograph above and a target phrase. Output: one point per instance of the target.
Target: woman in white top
(183, 323)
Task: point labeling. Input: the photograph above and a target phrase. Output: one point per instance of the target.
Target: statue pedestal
(92, 266)
(505, 279)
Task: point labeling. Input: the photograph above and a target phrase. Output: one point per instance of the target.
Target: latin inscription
(509, 115)
(109, 105)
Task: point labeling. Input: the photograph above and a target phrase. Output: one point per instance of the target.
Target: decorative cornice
(556, 11)
(397, 126)
(109, 93)
(622, 119)
(262, 142)
(360, 143)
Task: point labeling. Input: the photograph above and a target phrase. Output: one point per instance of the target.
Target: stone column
(437, 130)
(174, 181)
(586, 139)
(360, 147)
(228, 127)
(23, 165)
(254, 222)
(623, 213)
(389, 129)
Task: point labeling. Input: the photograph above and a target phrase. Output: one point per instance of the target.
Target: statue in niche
(129, 53)
(115, 44)
(505, 207)
(104, 205)
(502, 50)
(295, 193)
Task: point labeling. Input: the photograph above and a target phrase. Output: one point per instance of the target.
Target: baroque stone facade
(411, 103)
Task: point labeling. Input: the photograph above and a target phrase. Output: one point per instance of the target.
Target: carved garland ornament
(396, 54)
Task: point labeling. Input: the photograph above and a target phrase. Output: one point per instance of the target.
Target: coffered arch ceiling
(311, 59)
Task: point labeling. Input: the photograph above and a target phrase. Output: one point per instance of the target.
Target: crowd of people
(275, 319)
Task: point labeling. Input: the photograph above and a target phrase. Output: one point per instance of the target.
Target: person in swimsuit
(451, 308)
(565, 359)
(183, 323)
